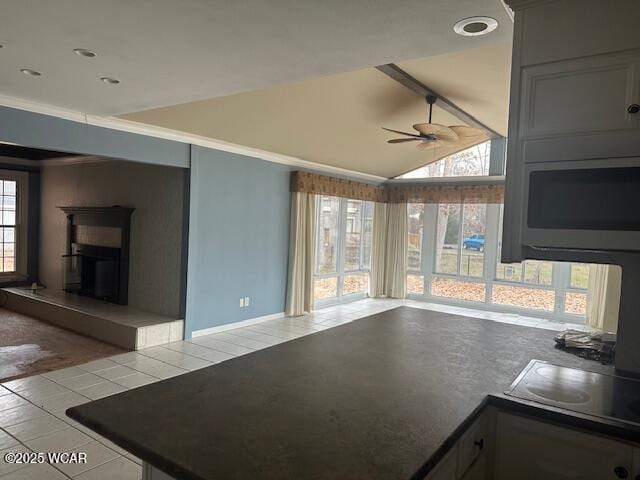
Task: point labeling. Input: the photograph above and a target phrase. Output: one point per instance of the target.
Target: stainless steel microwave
(589, 205)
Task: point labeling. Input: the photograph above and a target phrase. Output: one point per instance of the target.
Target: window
(416, 224)
(13, 229)
(575, 299)
(447, 239)
(460, 239)
(353, 236)
(415, 221)
(474, 161)
(454, 257)
(343, 254)
(473, 240)
(327, 256)
(8, 230)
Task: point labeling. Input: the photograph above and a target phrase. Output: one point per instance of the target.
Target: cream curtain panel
(302, 243)
(603, 297)
(389, 251)
(378, 248)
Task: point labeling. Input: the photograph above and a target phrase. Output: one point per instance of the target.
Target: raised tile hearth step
(120, 325)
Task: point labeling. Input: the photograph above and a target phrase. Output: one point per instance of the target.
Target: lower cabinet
(504, 446)
(468, 458)
(529, 450)
(446, 468)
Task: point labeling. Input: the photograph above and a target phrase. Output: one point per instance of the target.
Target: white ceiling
(169, 52)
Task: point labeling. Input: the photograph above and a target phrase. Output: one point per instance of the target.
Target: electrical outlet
(241, 302)
(246, 301)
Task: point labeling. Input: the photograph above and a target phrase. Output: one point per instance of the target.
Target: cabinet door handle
(479, 443)
(621, 472)
(633, 108)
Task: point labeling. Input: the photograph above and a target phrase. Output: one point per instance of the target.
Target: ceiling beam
(402, 77)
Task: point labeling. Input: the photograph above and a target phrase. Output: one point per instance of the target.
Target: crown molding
(507, 9)
(516, 5)
(178, 136)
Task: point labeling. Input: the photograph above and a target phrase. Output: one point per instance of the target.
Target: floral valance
(481, 192)
(446, 194)
(336, 187)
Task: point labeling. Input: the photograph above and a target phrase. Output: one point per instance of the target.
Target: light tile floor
(32, 409)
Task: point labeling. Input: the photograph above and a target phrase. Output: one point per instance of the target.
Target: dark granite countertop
(382, 397)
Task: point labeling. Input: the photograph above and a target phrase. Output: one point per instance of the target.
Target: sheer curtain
(302, 243)
(603, 297)
(389, 251)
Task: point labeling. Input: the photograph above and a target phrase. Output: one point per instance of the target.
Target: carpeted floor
(29, 346)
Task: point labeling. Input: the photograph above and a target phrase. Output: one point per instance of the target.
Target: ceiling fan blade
(401, 133)
(427, 146)
(402, 140)
(442, 132)
(468, 134)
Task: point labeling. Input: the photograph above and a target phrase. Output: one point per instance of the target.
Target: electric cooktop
(602, 395)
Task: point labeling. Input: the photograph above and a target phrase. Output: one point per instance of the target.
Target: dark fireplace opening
(96, 259)
(92, 271)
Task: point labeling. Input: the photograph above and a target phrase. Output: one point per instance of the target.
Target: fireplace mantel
(115, 216)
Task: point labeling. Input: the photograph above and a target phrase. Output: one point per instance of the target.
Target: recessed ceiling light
(83, 52)
(110, 80)
(475, 26)
(30, 72)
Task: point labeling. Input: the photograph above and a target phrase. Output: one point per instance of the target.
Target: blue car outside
(474, 242)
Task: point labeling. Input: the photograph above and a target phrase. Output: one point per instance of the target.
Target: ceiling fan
(433, 135)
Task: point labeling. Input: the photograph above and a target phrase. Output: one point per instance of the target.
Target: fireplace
(96, 262)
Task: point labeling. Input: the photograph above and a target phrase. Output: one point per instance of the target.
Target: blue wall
(238, 238)
(47, 132)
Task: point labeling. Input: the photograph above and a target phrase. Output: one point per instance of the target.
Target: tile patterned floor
(32, 409)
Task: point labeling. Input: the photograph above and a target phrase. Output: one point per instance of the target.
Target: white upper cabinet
(587, 95)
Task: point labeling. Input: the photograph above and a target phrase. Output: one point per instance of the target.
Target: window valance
(484, 191)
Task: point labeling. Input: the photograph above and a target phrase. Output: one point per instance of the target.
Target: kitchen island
(382, 397)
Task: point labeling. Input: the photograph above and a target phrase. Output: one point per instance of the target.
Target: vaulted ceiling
(335, 120)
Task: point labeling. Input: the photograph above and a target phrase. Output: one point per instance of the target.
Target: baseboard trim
(231, 326)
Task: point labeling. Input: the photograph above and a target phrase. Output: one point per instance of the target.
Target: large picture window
(457, 260)
(343, 251)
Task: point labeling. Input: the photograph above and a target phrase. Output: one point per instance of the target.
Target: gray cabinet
(575, 75)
